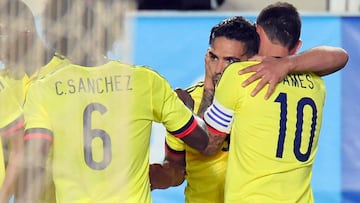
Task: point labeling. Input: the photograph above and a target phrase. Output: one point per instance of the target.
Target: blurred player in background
(231, 40)
(95, 25)
(96, 115)
(23, 52)
(321, 60)
(25, 57)
(11, 120)
(12, 131)
(274, 141)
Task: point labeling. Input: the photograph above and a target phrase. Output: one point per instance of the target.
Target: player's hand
(210, 73)
(165, 175)
(158, 178)
(186, 98)
(270, 71)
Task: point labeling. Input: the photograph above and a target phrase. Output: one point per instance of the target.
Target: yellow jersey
(99, 120)
(273, 142)
(10, 118)
(205, 175)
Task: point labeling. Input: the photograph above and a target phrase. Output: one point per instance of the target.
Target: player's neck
(273, 50)
(31, 61)
(44, 56)
(89, 60)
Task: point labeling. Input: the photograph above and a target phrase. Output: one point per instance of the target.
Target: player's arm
(218, 116)
(202, 130)
(321, 60)
(170, 173)
(185, 98)
(195, 134)
(37, 146)
(13, 136)
(193, 131)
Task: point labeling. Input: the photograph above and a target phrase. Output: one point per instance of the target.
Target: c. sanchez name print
(99, 85)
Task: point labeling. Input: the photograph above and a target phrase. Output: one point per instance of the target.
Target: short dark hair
(240, 29)
(281, 23)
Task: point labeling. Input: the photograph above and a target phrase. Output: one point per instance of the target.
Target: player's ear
(296, 48)
(258, 29)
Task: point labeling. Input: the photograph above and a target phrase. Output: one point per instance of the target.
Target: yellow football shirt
(205, 175)
(273, 142)
(10, 118)
(57, 62)
(100, 119)
(19, 88)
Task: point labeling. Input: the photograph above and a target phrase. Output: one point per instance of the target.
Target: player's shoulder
(199, 86)
(56, 63)
(145, 68)
(147, 71)
(134, 67)
(232, 71)
(240, 65)
(3, 83)
(3, 72)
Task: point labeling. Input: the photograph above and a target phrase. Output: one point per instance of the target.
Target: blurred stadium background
(174, 42)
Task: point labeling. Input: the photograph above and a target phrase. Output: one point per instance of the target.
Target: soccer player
(273, 142)
(231, 40)
(23, 51)
(25, 57)
(95, 116)
(179, 160)
(11, 130)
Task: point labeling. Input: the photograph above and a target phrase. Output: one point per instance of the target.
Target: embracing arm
(199, 138)
(204, 140)
(322, 60)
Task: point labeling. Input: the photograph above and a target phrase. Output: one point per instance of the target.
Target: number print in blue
(282, 99)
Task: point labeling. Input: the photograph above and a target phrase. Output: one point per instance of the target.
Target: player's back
(274, 141)
(101, 122)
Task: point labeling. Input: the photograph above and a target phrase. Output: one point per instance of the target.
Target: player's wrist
(292, 63)
(209, 84)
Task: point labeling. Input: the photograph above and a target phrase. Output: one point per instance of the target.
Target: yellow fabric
(205, 175)
(259, 168)
(19, 88)
(101, 120)
(10, 111)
